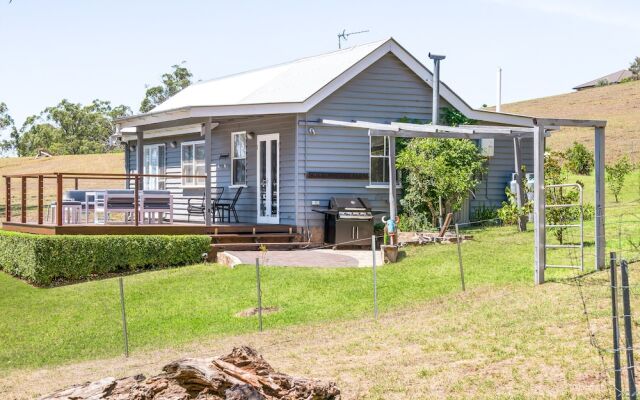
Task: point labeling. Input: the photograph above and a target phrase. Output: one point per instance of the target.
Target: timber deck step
(254, 238)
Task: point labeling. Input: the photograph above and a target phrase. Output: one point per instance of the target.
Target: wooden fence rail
(59, 193)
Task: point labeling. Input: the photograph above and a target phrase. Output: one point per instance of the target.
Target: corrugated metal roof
(615, 77)
(290, 82)
(295, 87)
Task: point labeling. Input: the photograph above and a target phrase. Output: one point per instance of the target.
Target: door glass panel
(200, 152)
(274, 177)
(153, 157)
(263, 179)
(187, 153)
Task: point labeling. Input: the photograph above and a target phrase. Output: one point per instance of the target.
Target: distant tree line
(75, 128)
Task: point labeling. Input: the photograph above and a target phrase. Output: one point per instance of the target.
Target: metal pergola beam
(446, 135)
(579, 123)
(401, 129)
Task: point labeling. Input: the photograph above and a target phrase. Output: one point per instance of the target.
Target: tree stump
(241, 375)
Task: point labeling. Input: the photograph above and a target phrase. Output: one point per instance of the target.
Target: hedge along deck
(41, 259)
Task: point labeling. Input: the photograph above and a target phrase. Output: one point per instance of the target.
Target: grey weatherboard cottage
(272, 118)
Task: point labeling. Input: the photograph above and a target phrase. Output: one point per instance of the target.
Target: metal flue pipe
(435, 114)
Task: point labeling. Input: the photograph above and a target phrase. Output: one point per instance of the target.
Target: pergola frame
(539, 131)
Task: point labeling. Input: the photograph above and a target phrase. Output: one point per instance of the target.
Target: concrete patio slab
(322, 258)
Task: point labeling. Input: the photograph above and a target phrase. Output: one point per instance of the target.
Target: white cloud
(618, 13)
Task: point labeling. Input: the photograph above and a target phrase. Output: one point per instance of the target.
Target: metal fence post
(460, 257)
(124, 318)
(375, 277)
(628, 333)
(259, 294)
(615, 329)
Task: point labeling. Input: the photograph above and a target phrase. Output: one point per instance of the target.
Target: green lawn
(165, 308)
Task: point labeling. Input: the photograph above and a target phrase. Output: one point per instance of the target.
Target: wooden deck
(151, 229)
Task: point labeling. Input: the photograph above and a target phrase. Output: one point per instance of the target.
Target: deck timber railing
(59, 178)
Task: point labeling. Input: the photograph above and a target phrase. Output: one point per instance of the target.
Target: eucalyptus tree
(172, 82)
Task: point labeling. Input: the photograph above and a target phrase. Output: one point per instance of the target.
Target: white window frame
(193, 183)
(382, 185)
(233, 157)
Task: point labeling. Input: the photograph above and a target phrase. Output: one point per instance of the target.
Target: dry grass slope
(487, 343)
(92, 163)
(618, 104)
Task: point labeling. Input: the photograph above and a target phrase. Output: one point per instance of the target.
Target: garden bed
(430, 237)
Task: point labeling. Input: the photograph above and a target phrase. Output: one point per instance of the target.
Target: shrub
(554, 175)
(510, 213)
(438, 169)
(41, 259)
(579, 159)
(616, 173)
(483, 213)
(417, 222)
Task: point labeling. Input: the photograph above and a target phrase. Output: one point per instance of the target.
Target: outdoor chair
(81, 196)
(114, 201)
(155, 201)
(229, 206)
(196, 206)
(71, 210)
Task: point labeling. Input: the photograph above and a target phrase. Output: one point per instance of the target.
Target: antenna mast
(344, 35)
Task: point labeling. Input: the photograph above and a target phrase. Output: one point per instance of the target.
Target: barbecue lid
(357, 203)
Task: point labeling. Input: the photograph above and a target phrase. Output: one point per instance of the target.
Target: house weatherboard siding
(490, 192)
(378, 82)
(384, 92)
(221, 166)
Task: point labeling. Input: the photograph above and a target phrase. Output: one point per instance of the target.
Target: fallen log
(241, 375)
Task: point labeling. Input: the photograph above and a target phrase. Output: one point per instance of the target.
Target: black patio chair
(229, 206)
(198, 207)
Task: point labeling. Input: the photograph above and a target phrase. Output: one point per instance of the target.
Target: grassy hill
(91, 163)
(618, 104)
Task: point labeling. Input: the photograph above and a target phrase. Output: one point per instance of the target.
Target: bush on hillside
(41, 259)
(579, 159)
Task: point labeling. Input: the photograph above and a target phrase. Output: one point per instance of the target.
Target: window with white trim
(193, 163)
(238, 158)
(379, 160)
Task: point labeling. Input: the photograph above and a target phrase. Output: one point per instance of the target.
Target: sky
(109, 50)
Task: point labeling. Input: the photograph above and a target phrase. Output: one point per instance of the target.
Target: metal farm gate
(566, 223)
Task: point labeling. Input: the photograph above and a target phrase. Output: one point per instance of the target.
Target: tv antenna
(344, 36)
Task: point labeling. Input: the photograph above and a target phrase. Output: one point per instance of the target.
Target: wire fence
(125, 320)
(255, 298)
(610, 299)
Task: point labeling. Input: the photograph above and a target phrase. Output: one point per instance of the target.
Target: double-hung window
(379, 160)
(238, 158)
(193, 164)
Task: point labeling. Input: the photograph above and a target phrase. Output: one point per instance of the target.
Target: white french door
(154, 164)
(268, 174)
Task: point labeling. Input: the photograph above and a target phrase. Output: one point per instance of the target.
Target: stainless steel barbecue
(348, 222)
